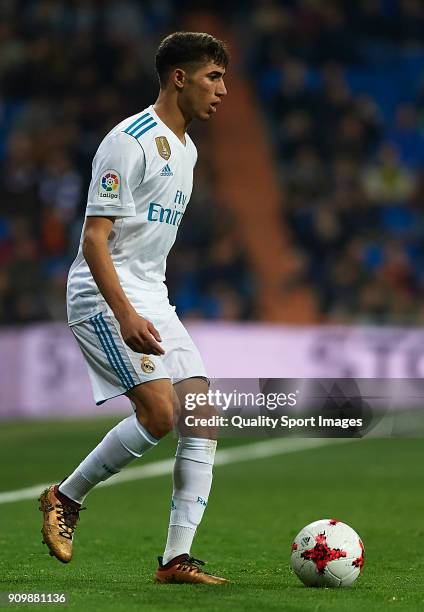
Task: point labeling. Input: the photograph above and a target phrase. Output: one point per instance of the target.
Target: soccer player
(118, 307)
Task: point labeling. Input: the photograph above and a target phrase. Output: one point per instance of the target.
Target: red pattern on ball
(359, 561)
(321, 554)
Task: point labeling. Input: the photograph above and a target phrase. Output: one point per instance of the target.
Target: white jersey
(143, 176)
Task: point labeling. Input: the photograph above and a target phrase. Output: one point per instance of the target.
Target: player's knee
(159, 421)
(199, 423)
(162, 421)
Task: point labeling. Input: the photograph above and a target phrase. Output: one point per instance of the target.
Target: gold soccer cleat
(60, 520)
(185, 569)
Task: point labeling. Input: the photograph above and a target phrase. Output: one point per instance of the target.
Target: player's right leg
(154, 402)
(129, 440)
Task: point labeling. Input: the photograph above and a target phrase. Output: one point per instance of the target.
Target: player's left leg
(192, 483)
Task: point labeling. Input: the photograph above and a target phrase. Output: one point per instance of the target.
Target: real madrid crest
(147, 364)
(163, 147)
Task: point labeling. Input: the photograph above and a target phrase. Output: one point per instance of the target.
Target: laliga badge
(163, 147)
(109, 185)
(147, 364)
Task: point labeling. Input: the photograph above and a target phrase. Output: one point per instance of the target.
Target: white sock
(192, 484)
(121, 445)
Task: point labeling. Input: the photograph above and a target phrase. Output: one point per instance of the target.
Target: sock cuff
(146, 434)
(201, 450)
(134, 437)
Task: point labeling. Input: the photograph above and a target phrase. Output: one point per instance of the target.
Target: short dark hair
(182, 48)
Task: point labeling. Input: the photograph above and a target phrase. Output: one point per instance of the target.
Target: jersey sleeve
(118, 169)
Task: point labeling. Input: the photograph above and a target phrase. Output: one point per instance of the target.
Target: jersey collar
(173, 135)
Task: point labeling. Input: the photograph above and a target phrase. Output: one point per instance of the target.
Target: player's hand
(140, 335)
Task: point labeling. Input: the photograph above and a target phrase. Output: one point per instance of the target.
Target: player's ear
(179, 78)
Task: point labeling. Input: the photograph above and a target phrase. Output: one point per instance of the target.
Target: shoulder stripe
(144, 130)
(140, 125)
(136, 122)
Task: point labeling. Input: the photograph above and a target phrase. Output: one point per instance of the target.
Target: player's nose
(221, 90)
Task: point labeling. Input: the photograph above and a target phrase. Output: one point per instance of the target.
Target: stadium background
(330, 155)
(302, 247)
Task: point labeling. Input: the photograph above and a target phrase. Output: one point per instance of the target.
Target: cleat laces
(67, 519)
(192, 565)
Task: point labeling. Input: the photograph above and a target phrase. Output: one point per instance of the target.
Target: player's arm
(118, 169)
(137, 332)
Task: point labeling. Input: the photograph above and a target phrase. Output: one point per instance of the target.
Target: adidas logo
(166, 171)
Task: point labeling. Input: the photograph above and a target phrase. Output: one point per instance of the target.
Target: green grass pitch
(255, 510)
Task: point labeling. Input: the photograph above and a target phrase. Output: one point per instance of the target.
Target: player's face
(203, 91)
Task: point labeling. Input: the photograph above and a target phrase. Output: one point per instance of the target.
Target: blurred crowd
(342, 88)
(69, 71)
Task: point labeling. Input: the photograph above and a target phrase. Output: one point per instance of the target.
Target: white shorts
(114, 368)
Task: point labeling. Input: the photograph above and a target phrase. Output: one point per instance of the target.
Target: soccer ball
(327, 553)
